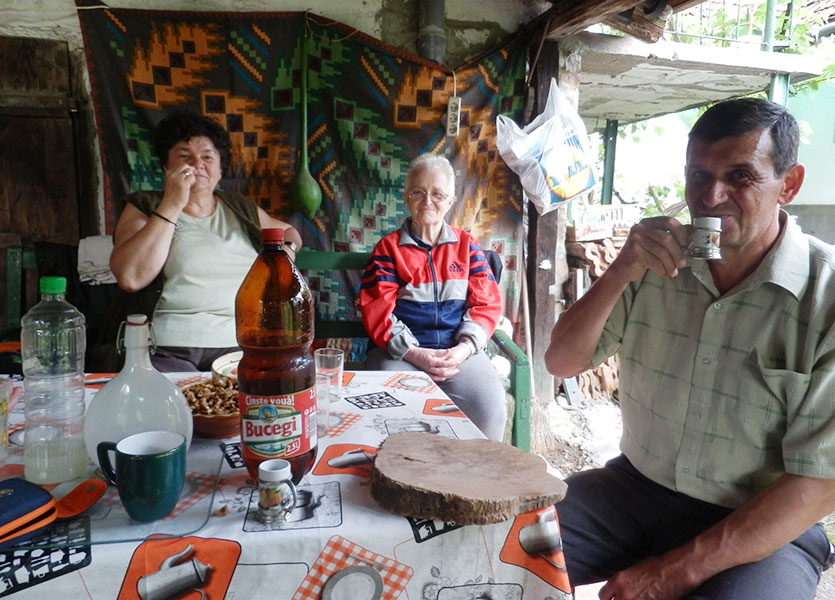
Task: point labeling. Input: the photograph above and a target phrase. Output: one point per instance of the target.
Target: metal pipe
(610, 137)
(768, 29)
(826, 30)
(778, 88)
(431, 38)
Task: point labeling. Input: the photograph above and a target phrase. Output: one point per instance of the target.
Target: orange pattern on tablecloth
(417, 383)
(340, 553)
(432, 405)
(96, 381)
(335, 451)
(538, 564)
(346, 420)
(221, 554)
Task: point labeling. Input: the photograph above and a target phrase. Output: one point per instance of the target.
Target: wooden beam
(638, 25)
(573, 16)
(547, 268)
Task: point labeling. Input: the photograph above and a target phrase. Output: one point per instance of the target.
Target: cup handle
(295, 496)
(103, 450)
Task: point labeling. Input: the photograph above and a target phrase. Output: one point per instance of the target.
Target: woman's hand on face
(178, 182)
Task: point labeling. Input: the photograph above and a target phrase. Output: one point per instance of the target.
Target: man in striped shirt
(727, 382)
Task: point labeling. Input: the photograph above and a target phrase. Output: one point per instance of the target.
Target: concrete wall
(817, 109)
(815, 204)
(472, 26)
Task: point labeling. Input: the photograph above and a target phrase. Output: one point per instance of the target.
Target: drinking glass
(331, 362)
(323, 403)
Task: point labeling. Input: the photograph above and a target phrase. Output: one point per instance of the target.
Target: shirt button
(717, 305)
(705, 361)
(697, 414)
(685, 470)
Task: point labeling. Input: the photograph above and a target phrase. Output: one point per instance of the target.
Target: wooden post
(547, 267)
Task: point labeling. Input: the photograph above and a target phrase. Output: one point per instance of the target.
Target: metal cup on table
(331, 361)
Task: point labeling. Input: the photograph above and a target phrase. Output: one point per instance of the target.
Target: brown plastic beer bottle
(276, 396)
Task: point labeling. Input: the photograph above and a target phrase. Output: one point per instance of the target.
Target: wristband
(164, 218)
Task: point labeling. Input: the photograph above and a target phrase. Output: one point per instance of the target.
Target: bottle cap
(137, 319)
(53, 285)
(275, 469)
(272, 236)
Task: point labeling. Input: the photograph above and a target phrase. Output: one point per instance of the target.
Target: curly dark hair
(182, 125)
(746, 115)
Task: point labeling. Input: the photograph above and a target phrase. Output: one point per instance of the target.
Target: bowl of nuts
(214, 407)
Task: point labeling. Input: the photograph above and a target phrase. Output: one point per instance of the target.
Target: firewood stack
(587, 261)
(595, 255)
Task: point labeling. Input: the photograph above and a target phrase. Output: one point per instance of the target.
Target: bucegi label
(278, 426)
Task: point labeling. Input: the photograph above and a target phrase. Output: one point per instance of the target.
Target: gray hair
(430, 161)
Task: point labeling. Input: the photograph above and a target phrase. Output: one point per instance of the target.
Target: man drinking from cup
(727, 376)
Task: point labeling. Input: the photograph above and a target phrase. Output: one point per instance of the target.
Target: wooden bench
(520, 377)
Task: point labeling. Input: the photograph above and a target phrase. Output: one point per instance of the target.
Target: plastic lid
(707, 223)
(137, 319)
(275, 469)
(53, 285)
(272, 236)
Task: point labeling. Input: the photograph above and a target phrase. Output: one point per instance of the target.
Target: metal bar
(768, 29)
(778, 88)
(610, 137)
(710, 37)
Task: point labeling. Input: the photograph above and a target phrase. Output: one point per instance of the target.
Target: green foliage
(726, 24)
(664, 200)
(731, 24)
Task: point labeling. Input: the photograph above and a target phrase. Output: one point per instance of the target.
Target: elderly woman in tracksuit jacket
(429, 300)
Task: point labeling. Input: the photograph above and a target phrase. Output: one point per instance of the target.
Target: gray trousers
(613, 517)
(476, 389)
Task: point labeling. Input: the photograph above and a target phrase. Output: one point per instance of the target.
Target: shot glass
(323, 403)
(331, 362)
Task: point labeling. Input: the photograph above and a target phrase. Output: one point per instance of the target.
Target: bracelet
(164, 218)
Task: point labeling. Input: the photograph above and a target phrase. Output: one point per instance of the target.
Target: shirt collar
(407, 238)
(786, 264)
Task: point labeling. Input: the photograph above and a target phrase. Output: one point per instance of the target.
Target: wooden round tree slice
(469, 482)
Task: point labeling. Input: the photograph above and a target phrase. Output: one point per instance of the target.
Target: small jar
(704, 239)
(276, 493)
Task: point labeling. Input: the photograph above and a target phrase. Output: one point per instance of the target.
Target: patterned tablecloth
(337, 542)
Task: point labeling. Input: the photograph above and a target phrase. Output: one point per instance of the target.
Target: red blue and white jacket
(415, 295)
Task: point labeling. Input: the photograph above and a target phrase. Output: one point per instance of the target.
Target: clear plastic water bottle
(52, 344)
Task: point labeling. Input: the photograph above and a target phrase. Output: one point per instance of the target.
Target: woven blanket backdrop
(371, 110)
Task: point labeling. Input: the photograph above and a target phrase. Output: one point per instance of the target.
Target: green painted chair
(520, 376)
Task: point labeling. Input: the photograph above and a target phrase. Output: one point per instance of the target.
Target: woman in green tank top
(189, 247)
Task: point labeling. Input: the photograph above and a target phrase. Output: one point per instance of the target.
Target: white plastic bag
(550, 154)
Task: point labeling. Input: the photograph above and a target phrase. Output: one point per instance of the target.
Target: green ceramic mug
(150, 472)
